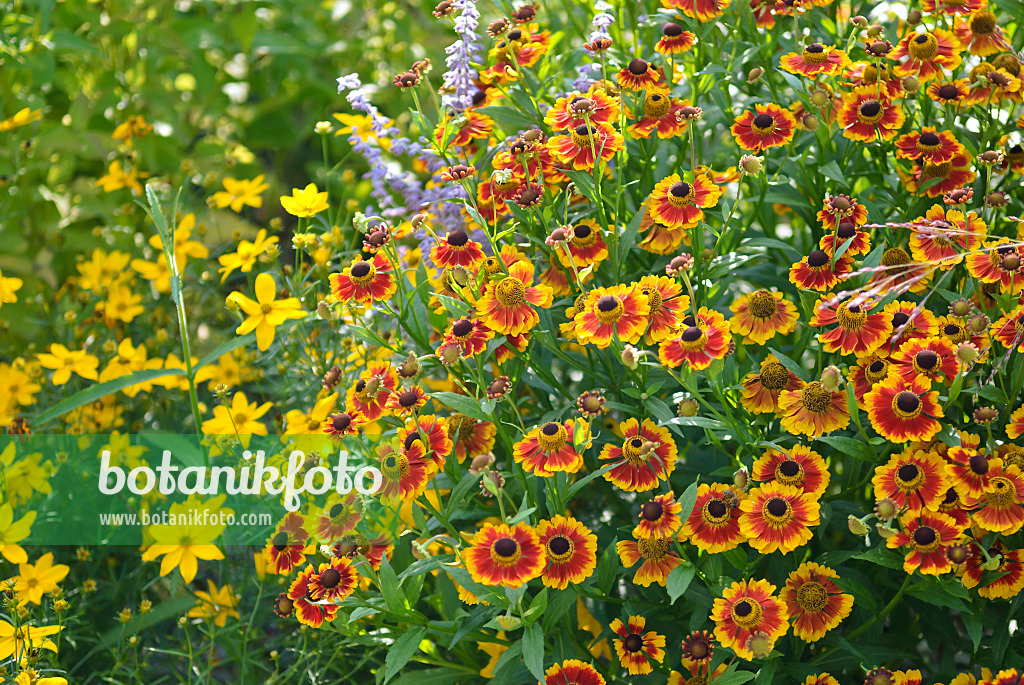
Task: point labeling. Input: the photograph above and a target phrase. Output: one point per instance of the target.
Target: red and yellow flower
(586, 143)
(457, 249)
(931, 358)
(647, 456)
(915, 479)
(586, 246)
(928, 144)
(814, 602)
(1000, 509)
(927, 535)
(857, 332)
(1011, 569)
(813, 410)
(505, 306)
(815, 59)
(714, 523)
(575, 110)
(634, 646)
(661, 115)
(659, 517)
(365, 281)
(1000, 262)
(405, 473)
(675, 203)
(658, 559)
(767, 127)
(865, 117)
(307, 612)
(748, 608)
(508, 556)
(927, 53)
(548, 449)
(762, 314)
(470, 437)
(666, 305)
(699, 342)
(571, 551)
(801, 468)
(572, 672)
(333, 581)
(674, 40)
(777, 517)
(761, 390)
(904, 409)
(818, 271)
(638, 75)
(618, 312)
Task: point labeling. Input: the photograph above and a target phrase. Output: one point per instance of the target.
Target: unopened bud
(754, 74)
(856, 526)
(996, 199)
(741, 478)
(630, 356)
(322, 128)
(810, 122)
(751, 165)
(911, 84)
(687, 408)
(820, 98)
(461, 276)
(323, 310)
(418, 220)
(874, 31)
(859, 22)
(410, 367)
(886, 509)
(481, 462)
(832, 378)
(884, 531)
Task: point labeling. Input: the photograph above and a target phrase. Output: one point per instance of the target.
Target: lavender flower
(459, 79)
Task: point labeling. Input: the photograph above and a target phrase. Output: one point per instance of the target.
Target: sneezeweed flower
(915, 479)
(904, 409)
(700, 341)
(713, 526)
(368, 396)
(659, 517)
(647, 456)
(1010, 571)
(928, 54)
(504, 555)
(548, 449)
(658, 559)
(333, 581)
(815, 59)
(701, 10)
(238, 194)
(470, 437)
(471, 335)
(762, 314)
(306, 202)
(1008, 330)
(945, 235)
(586, 143)
(505, 306)
(585, 245)
(678, 204)
(981, 34)
(777, 517)
(572, 672)
(634, 646)
(365, 281)
(405, 472)
(801, 467)
(865, 118)
(618, 312)
(674, 40)
(285, 548)
(575, 110)
(308, 612)
(815, 603)
(846, 232)
(761, 390)
(457, 250)
(857, 331)
(638, 75)
(927, 535)
(746, 608)
(1000, 509)
(666, 306)
(571, 551)
(439, 444)
(661, 114)
(403, 403)
(932, 358)
(813, 410)
(1000, 262)
(769, 126)
(818, 271)
(928, 144)
(266, 313)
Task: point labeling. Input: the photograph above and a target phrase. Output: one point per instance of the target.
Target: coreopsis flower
(1000, 262)
(572, 672)
(63, 362)
(864, 117)
(813, 410)
(309, 612)
(586, 143)
(928, 144)
(818, 271)
(548, 449)
(333, 581)
(926, 535)
(285, 549)
(904, 409)
(815, 603)
(800, 467)
(1000, 508)
(575, 110)
(638, 75)
(674, 40)
(931, 358)
(634, 646)
(699, 342)
(508, 556)
(457, 250)
(846, 232)
(769, 126)
(505, 306)
(659, 517)
(586, 246)
(714, 524)
(405, 473)
(215, 604)
(666, 305)
(646, 457)
(981, 34)
(857, 331)
(1010, 572)
(747, 608)
(815, 59)
(365, 281)
(242, 418)
(761, 390)
(43, 577)
(777, 517)
(762, 314)
(1008, 330)
(306, 202)
(244, 258)
(675, 203)
(238, 194)
(914, 478)
(571, 551)
(927, 53)
(658, 559)
(369, 394)
(618, 312)
(266, 313)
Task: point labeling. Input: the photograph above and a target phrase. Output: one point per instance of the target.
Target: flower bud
(491, 483)
(418, 220)
(754, 74)
(832, 379)
(884, 531)
(323, 310)
(874, 31)
(886, 509)
(990, 157)
(461, 276)
(993, 563)
(688, 407)
(410, 367)
(820, 98)
(630, 356)
(996, 199)
(859, 21)
(856, 526)
(741, 478)
(322, 128)
(979, 323)
(914, 17)
(508, 622)
(481, 463)
(810, 122)
(751, 165)
(911, 84)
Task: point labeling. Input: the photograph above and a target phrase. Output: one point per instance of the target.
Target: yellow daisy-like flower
(183, 543)
(35, 580)
(306, 202)
(216, 604)
(239, 194)
(9, 286)
(265, 313)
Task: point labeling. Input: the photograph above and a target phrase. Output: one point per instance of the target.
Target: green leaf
(537, 607)
(797, 370)
(848, 446)
(462, 404)
(973, 624)
(400, 652)
(533, 650)
(831, 171)
(465, 484)
(431, 676)
(559, 603)
(575, 487)
(882, 557)
(699, 421)
(688, 500)
(99, 390)
(390, 588)
(679, 580)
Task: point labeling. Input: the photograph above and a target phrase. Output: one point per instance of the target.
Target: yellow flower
(363, 126)
(300, 423)
(245, 256)
(26, 637)
(9, 286)
(24, 477)
(183, 247)
(121, 304)
(232, 369)
(494, 650)
(241, 419)
(238, 194)
(216, 604)
(157, 273)
(64, 362)
(17, 385)
(128, 360)
(305, 202)
(182, 541)
(12, 532)
(33, 581)
(24, 116)
(32, 677)
(103, 270)
(117, 178)
(266, 313)
(132, 127)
